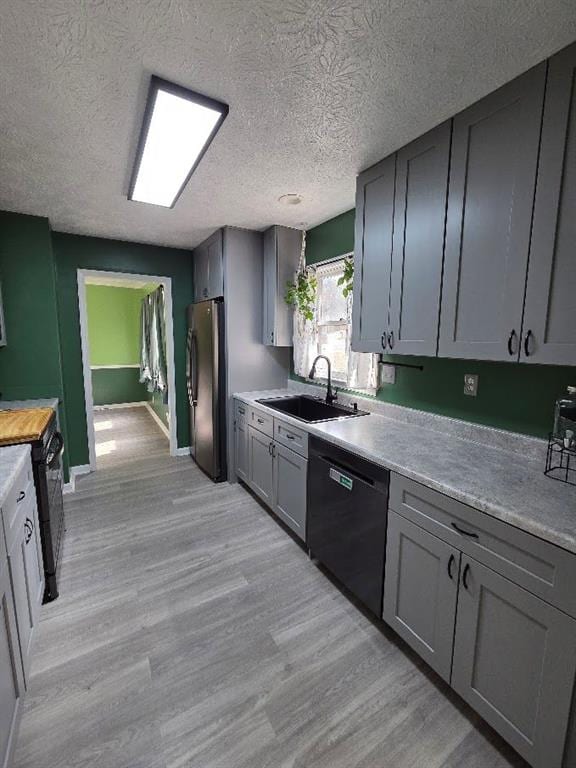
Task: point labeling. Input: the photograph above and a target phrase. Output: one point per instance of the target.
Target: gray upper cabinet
(514, 663)
(418, 243)
(373, 256)
(282, 247)
(492, 179)
(209, 269)
(11, 673)
(549, 332)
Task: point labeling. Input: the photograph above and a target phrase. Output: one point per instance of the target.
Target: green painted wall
(114, 324)
(156, 402)
(73, 252)
(30, 364)
(511, 396)
(117, 385)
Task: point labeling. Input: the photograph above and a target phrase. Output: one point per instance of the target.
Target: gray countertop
(12, 459)
(499, 483)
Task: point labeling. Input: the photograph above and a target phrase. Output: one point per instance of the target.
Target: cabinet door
(11, 677)
(418, 250)
(200, 274)
(551, 288)
(514, 662)
(269, 287)
(373, 255)
(34, 563)
(241, 437)
(421, 590)
(261, 465)
(215, 266)
(24, 577)
(492, 178)
(290, 472)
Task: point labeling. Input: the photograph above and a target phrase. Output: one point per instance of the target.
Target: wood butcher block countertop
(23, 425)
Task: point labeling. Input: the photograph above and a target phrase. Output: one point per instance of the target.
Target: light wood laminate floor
(192, 631)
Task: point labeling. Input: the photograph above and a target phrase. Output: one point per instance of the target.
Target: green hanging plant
(347, 279)
(301, 294)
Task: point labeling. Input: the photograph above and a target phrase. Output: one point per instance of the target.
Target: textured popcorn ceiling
(318, 90)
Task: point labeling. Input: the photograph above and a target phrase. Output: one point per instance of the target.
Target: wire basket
(560, 461)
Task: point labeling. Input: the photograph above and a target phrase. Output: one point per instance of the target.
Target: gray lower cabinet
(241, 441)
(261, 465)
(492, 180)
(421, 591)
(290, 471)
(549, 330)
(515, 662)
(373, 256)
(274, 472)
(509, 653)
(11, 672)
(418, 245)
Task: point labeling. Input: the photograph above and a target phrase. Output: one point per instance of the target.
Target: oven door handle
(54, 452)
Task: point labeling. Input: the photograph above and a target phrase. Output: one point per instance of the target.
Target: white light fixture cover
(178, 127)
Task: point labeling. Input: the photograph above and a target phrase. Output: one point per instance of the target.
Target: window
(333, 321)
(329, 333)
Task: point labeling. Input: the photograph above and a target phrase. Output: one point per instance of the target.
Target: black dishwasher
(347, 516)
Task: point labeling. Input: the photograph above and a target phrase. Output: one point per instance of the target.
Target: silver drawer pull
(289, 436)
(343, 480)
(242, 411)
(260, 421)
(21, 497)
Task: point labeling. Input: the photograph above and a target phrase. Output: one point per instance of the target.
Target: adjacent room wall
(114, 341)
(74, 252)
(30, 363)
(511, 396)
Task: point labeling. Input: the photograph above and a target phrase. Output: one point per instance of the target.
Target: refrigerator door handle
(192, 367)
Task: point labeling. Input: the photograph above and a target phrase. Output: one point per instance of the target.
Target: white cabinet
(290, 472)
(21, 591)
(282, 248)
(11, 672)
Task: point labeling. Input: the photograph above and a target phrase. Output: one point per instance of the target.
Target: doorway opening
(128, 366)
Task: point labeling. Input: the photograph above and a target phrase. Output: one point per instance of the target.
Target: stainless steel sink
(311, 409)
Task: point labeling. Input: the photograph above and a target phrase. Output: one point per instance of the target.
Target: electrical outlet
(471, 384)
(388, 374)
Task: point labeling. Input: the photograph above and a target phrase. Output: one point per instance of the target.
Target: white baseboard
(183, 451)
(140, 404)
(81, 469)
(158, 420)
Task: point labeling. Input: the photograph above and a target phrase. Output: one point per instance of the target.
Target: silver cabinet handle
(242, 411)
(289, 436)
(260, 421)
(21, 497)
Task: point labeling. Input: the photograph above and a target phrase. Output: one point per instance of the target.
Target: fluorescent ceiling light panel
(178, 127)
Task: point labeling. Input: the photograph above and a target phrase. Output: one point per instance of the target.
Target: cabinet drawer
(538, 566)
(292, 437)
(240, 410)
(262, 421)
(21, 497)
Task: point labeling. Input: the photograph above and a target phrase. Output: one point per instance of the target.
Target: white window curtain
(153, 343)
(330, 333)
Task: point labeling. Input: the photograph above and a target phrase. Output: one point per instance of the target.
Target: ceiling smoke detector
(290, 199)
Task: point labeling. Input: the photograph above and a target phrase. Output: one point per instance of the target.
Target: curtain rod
(323, 263)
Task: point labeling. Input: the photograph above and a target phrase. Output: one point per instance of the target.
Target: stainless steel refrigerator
(206, 383)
